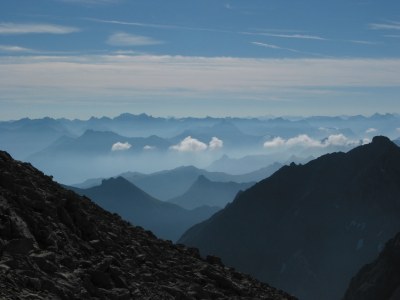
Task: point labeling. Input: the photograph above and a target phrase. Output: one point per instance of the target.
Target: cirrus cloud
(9, 48)
(126, 39)
(29, 28)
(147, 80)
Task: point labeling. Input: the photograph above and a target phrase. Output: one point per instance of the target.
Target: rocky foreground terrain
(55, 244)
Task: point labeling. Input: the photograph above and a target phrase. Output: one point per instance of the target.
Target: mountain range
(55, 244)
(75, 150)
(165, 220)
(168, 184)
(309, 228)
(205, 192)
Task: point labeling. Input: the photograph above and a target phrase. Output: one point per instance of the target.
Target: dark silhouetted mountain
(173, 183)
(379, 279)
(309, 228)
(166, 220)
(209, 193)
(55, 244)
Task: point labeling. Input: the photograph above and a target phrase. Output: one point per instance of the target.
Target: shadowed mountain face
(309, 228)
(166, 220)
(55, 244)
(381, 278)
(210, 193)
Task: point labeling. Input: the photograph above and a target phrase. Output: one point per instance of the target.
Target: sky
(83, 58)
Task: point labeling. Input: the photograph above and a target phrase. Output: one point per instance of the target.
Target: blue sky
(82, 58)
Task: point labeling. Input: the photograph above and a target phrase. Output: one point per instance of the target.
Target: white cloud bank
(121, 146)
(160, 73)
(303, 140)
(233, 86)
(190, 144)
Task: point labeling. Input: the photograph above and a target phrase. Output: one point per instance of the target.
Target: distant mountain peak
(202, 179)
(132, 117)
(115, 180)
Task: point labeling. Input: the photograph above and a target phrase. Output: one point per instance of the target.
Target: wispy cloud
(228, 6)
(158, 26)
(288, 36)
(34, 28)
(371, 130)
(126, 39)
(91, 2)
(396, 36)
(363, 42)
(148, 148)
(385, 26)
(276, 47)
(137, 24)
(18, 49)
(271, 46)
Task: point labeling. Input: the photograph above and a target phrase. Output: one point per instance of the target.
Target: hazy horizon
(260, 117)
(82, 58)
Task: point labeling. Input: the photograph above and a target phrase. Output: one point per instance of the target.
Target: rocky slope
(381, 278)
(55, 244)
(309, 228)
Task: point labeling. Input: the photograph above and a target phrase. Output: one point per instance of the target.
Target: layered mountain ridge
(165, 220)
(55, 244)
(206, 192)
